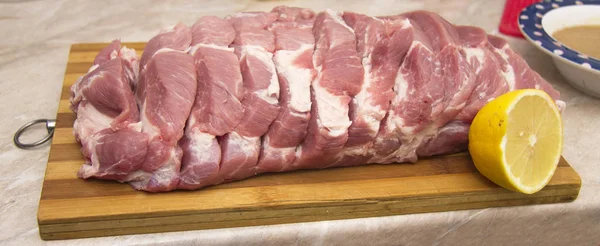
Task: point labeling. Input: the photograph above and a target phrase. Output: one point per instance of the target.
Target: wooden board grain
(73, 208)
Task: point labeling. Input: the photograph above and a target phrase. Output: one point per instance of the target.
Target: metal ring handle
(50, 125)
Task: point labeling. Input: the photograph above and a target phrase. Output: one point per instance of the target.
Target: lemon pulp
(516, 140)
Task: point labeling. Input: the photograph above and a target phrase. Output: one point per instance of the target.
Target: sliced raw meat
(212, 30)
(339, 78)
(254, 38)
(166, 92)
(491, 79)
(114, 155)
(451, 138)
(524, 76)
(406, 107)
(108, 121)
(294, 17)
(217, 109)
(285, 90)
(433, 85)
(103, 100)
(381, 45)
(452, 67)
(241, 147)
(220, 90)
(176, 38)
(252, 20)
(128, 56)
(489, 83)
(293, 60)
(108, 53)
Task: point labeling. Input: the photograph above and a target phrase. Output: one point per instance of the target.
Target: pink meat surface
(255, 46)
(294, 46)
(339, 78)
(524, 76)
(252, 20)
(176, 38)
(217, 108)
(108, 121)
(114, 155)
(165, 92)
(432, 86)
(382, 45)
(128, 56)
(294, 17)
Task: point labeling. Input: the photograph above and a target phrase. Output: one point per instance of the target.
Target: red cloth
(509, 24)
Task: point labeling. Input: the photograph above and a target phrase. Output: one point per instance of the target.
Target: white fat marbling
(271, 93)
(298, 79)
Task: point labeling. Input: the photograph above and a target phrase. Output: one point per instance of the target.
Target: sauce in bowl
(584, 39)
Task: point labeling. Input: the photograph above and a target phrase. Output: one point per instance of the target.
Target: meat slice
(381, 44)
(254, 46)
(211, 30)
(491, 80)
(489, 83)
(251, 21)
(406, 108)
(293, 60)
(108, 120)
(339, 78)
(461, 68)
(294, 17)
(176, 38)
(522, 75)
(108, 53)
(451, 138)
(114, 155)
(165, 92)
(452, 67)
(128, 56)
(217, 109)
(103, 100)
(433, 85)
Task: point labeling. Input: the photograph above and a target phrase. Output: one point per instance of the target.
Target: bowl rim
(530, 25)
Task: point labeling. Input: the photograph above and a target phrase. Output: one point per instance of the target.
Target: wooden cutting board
(73, 208)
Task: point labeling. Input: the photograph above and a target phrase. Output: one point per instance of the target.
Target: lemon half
(516, 140)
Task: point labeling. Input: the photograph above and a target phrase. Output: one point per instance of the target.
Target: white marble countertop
(33, 55)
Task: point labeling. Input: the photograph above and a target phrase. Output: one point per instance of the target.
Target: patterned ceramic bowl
(539, 21)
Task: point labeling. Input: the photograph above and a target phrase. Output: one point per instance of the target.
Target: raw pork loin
(165, 94)
(289, 89)
(217, 108)
(254, 46)
(294, 44)
(108, 121)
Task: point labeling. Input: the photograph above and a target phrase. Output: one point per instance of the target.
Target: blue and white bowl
(538, 21)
